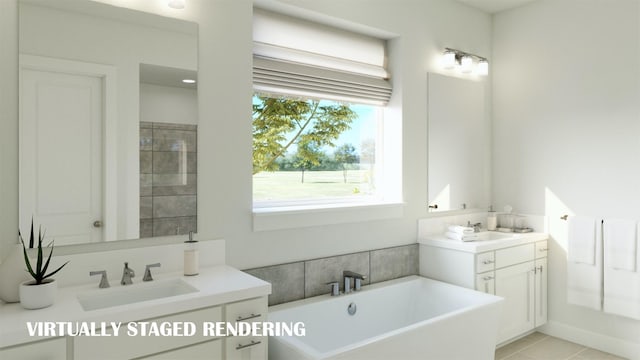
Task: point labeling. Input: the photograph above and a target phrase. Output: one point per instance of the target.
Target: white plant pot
(34, 296)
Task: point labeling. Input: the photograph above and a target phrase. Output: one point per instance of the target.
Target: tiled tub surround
(303, 279)
(168, 179)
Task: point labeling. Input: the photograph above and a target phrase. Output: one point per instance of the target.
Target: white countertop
(216, 285)
(515, 239)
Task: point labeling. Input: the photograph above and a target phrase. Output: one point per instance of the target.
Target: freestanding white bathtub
(407, 318)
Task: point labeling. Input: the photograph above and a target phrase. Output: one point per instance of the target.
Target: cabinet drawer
(541, 249)
(514, 255)
(250, 310)
(210, 350)
(126, 347)
(55, 349)
(485, 262)
(246, 348)
(486, 282)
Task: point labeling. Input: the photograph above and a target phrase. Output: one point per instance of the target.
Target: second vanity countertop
(512, 239)
(216, 285)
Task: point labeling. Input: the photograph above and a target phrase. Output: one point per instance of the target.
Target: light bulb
(449, 59)
(466, 64)
(483, 67)
(176, 4)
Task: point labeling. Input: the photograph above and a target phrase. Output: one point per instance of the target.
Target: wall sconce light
(483, 67)
(452, 58)
(449, 59)
(176, 4)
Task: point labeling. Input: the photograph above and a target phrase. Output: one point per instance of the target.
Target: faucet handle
(147, 272)
(104, 282)
(335, 288)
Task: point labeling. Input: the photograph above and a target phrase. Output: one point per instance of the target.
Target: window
(310, 151)
(318, 129)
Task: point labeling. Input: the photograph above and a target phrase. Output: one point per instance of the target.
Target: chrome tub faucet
(357, 280)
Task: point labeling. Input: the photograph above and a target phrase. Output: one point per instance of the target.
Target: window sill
(290, 217)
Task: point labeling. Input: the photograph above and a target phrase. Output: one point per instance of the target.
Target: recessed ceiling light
(188, 81)
(176, 4)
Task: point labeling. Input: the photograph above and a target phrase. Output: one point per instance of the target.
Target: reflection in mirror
(168, 151)
(458, 168)
(107, 136)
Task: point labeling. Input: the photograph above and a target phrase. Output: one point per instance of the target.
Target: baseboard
(615, 346)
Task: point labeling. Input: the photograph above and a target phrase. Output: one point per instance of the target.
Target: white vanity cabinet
(197, 346)
(246, 348)
(124, 346)
(515, 269)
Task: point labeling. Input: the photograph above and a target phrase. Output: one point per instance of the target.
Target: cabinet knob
(487, 262)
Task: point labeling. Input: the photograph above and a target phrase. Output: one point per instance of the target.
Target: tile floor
(538, 346)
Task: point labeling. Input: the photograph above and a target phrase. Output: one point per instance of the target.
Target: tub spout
(335, 288)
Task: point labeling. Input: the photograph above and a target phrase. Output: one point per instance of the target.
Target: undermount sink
(491, 235)
(122, 295)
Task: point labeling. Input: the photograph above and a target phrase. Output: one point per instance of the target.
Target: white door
(516, 285)
(61, 121)
(541, 291)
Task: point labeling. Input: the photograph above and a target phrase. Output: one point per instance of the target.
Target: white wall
(8, 126)
(168, 104)
(424, 28)
(567, 127)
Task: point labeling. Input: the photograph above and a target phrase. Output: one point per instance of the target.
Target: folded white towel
(619, 238)
(460, 229)
(584, 281)
(461, 237)
(582, 240)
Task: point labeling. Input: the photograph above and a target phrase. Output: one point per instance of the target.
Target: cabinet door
(210, 350)
(40, 350)
(486, 283)
(516, 284)
(246, 348)
(541, 291)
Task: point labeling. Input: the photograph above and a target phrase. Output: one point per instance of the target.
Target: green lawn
(284, 185)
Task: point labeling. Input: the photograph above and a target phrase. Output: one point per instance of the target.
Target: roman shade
(300, 58)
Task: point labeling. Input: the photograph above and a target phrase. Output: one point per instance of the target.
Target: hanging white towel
(582, 240)
(620, 244)
(622, 292)
(621, 281)
(584, 281)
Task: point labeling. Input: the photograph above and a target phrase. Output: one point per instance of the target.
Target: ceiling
(494, 6)
(166, 76)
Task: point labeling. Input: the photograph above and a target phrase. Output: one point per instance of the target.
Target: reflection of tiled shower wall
(168, 174)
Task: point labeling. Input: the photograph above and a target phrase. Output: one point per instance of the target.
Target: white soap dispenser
(492, 220)
(191, 260)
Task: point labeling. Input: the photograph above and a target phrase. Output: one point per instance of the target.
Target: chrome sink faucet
(476, 226)
(127, 274)
(357, 279)
(147, 272)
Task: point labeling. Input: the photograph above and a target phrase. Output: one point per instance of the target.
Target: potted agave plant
(39, 292)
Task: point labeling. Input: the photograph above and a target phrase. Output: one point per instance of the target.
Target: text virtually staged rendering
(320, 179)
